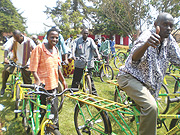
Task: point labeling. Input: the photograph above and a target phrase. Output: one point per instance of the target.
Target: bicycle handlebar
(13, 64)
(44, 91)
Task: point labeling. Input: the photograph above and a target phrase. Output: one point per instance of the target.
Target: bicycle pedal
(17, 111)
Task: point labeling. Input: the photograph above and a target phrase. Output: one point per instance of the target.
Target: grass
(66, 117)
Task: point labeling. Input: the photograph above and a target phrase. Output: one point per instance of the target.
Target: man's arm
(73, 49)
(36, 78)
(5, 57)
(61, 77)
(64, 49)
(154, 41)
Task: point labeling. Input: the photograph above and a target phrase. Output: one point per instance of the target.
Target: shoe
(2, 92)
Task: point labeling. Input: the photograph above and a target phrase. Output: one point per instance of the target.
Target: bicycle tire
(163, 101)
(88, 86)
(122, 57)
(25, 116)
(51, 131)
(175, 122)
(109, 75)
(82, 124)
(12, 85)
(118, 60)
(12, 91)
(61, 98)
(176, 87)
(17, 102)
(170, 82)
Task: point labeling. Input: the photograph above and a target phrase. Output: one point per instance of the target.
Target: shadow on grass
(12, 125)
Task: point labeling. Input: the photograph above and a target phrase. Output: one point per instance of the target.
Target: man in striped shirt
(21, 47)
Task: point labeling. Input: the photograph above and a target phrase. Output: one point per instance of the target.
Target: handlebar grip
(74, 89)
(172, 100)
(31, 86)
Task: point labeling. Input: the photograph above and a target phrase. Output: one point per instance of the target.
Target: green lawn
(66, 117)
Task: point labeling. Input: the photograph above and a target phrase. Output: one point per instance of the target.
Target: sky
(33, 12)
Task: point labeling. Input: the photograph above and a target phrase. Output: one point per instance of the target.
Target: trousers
(138, 92)
(77, 76)
(9, 70)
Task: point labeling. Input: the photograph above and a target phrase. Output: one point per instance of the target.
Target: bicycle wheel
(176, 87)
(12, 84)
(88, 87)
(163, 101)
(174, 123)
(118, 60)
(122, 57)
(17, 102)
(120, 96)
(106, 73)
(25, 115)
(89, 120)
(61, 98)
(170, 82)
(50, 131)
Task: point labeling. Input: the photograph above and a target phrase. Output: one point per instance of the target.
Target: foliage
(104, 25)
(65, 18)
(10, 18)
(170, 6)
(127, 15)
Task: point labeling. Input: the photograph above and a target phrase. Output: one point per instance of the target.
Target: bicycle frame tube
(84, 75)
(174, 130)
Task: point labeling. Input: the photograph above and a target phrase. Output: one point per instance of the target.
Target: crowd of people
(140, 77)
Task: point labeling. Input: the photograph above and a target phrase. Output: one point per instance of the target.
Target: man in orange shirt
(44, 65)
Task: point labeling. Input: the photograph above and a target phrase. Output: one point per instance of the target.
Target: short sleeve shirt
(151, 68)
(84, 49)
(46, 65)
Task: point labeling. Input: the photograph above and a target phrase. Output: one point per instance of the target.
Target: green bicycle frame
(34, 120)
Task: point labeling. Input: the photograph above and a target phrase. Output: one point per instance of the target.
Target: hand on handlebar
(6, 61)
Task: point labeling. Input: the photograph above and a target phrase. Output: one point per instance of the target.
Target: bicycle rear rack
(96, 101)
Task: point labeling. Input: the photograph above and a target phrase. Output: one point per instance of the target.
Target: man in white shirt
(21, 47)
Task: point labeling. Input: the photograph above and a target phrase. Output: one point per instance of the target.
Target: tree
(10, 18)
(128, 15)
(170, 6)
(68, 20)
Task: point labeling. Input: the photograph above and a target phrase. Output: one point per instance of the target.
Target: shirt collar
(47, 52)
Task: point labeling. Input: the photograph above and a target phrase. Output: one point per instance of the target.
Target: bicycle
(172, 81)
(31, 117)
(123, 56)
(116, 59)
(85, 83)
(103, 70)
(93, 116)
(14, 76)
(14, 85)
